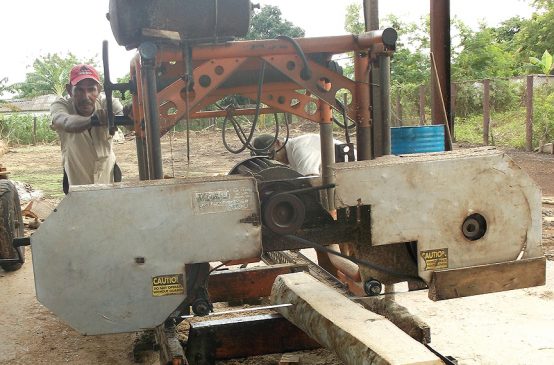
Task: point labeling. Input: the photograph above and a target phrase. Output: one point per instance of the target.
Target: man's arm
(70, 123)
(63, 120)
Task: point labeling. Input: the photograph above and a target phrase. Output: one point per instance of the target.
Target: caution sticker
(435, 259)
(167, 285)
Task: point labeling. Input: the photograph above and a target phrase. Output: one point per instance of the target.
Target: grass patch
(506, 129)
(50, 184)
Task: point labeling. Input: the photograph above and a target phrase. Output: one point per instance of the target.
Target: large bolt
(372, 287)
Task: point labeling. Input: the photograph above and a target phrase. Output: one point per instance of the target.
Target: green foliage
(18, 129)
(506, 95)
(535, 34)
(482, 56)
(268, 24)
(543, 113)
(544, 64)
(469, 99)
(4, 87)
(127, 96)
(352, 22)
(50, 74)
(410, 63)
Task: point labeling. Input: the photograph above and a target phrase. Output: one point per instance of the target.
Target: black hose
(306, 72)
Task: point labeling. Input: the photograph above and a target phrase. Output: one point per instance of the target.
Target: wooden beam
(244, 336)
(249, 283)
(399, 315)
(355, 334)
(171, 351)
(456, 283)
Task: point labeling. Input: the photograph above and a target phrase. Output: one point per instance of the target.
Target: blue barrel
(417, 139)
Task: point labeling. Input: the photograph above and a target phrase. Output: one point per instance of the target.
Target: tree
(3, 86)
(352, 20)
(268, 24)
(50, 74)
(482, 56)
(535, 34)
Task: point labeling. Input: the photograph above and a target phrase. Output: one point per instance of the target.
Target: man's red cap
(81, 72)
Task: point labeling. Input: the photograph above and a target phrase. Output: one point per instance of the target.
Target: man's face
(84, 96)
(279, 155)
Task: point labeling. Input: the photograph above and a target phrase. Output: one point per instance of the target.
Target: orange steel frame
(214, 64)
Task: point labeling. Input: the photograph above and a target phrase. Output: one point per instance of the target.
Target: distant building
(36, 106)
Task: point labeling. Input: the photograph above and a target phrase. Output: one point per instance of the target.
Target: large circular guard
(463, 208)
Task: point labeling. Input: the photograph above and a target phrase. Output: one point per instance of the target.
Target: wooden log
(463, 282)
(355, 334)
(244, 284)
(244, 336)
(171, 350)
(399, 315)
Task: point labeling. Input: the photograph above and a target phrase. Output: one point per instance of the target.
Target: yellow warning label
(167, 285)
(435, 259)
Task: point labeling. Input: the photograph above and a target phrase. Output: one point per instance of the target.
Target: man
(87, 154)
(302, 154)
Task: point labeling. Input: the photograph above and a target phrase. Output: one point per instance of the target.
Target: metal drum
(417, 139)
(134, 21)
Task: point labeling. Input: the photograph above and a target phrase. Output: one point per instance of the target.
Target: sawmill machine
(127, 256)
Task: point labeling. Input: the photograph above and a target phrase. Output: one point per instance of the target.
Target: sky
(33, 28)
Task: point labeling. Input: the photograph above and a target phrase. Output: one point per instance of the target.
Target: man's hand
(102, 117)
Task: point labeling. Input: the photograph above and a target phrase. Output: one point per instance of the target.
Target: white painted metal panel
(84, 255)
(426, 197)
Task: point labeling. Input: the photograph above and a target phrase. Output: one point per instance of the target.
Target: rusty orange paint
(218, 71)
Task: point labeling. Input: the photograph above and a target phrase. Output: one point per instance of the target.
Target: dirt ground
(29, 333)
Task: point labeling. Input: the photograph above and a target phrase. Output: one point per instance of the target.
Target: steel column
(363, 100)
(440, 59)
(151, 113)
(327, 151)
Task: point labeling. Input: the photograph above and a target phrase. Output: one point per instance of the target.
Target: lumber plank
(244, 336)
(399, 315)
(248, 283)
(456, 283)
(356, 335)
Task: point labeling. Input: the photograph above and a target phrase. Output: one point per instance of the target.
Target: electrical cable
(254, 123)
(306, 72)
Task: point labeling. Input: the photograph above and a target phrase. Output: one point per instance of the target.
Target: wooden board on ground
(355, 334)
(457, 283)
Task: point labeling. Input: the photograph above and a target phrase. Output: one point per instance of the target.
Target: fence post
(486, 110)
(421, 104)
(529, 116)
(453, 94)
(34, 130)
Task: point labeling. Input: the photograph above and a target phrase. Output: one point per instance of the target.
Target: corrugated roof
(38, 104)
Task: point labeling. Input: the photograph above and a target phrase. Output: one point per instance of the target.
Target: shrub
(18, 129)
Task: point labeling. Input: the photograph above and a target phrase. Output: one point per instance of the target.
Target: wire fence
(515, 112)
